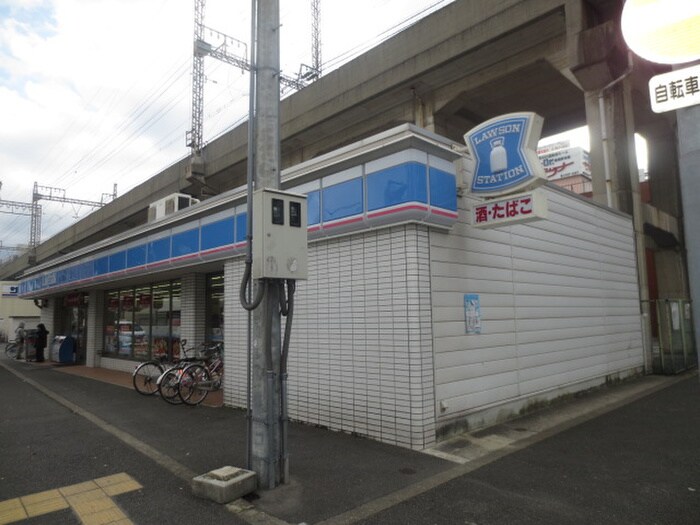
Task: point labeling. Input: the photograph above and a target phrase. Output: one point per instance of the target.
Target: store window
(175, 319)
(125, 325)
(144, 322)
(111, 343)
(215, 308)
(160, 341)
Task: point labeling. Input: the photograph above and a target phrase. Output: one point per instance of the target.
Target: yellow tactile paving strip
(91, 501)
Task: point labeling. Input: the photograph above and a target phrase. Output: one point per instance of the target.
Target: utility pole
(266, 458)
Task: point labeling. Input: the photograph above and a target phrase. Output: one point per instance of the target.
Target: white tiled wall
(193, 308)
(235, 322)
(95, 322)
(123, 365)
(361, 347)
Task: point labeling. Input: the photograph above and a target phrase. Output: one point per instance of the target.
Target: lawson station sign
(504, 154)
(503, 161)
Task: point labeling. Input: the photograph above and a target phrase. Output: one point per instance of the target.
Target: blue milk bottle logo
(503, 154)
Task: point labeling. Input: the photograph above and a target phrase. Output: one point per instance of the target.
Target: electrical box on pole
(279, 235)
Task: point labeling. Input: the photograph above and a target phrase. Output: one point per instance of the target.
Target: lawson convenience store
(414, 321)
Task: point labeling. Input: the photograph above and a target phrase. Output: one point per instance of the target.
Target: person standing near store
(41, 341)
(20, 334)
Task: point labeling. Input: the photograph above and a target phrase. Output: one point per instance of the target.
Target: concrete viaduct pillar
(599, 61)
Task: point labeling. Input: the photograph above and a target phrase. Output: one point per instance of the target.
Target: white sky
(98, 92)
(579, 137)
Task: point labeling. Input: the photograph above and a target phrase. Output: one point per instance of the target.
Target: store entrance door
(74, 324)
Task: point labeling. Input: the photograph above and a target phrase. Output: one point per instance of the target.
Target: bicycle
(197, 380)
(145, 376)
(168, 382)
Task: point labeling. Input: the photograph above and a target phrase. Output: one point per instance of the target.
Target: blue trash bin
(66, 352)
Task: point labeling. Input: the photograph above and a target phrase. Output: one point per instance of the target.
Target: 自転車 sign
(674, 90)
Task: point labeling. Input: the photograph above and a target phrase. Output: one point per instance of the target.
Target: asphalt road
(637, 461)
(639, 464)
(45, 446)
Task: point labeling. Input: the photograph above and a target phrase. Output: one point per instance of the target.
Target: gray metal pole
(266, 319)
(249, 223)
(689, 163)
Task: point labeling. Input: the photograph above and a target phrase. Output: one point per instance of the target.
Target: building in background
(14, 310)
(568, 167)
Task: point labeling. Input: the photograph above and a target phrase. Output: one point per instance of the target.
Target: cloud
(99, 91)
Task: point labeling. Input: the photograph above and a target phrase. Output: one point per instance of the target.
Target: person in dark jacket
(41, 341)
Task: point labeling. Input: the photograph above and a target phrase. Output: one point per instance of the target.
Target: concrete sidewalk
(115, 377)
(336, 478)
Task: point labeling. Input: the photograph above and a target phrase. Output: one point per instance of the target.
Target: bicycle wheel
(145, 377)
(167, 385)
(11, 350)
(194, 384)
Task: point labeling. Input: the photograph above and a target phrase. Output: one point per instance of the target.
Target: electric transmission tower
(12, 248)
(15, 249)
(27, 209)
(313, 72)
(16, 208)
(48, 193)
(33, 211)
(228, 49)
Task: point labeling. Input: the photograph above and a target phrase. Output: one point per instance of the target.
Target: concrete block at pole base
(225, 484)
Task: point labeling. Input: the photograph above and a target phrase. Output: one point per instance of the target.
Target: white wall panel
(559, 305)
(457, 343)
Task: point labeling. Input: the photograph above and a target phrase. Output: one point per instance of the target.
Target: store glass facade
(215, 308)
(143, 322)
(73, 323)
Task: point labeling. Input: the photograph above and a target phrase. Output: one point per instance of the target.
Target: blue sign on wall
(504, 154)
(472, 314)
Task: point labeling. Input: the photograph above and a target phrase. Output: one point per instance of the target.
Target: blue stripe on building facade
(386, 189)
(397, 185)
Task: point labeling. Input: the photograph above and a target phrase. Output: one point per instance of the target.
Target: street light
(663, 31)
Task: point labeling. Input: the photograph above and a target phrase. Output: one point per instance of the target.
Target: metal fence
(674, 346)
